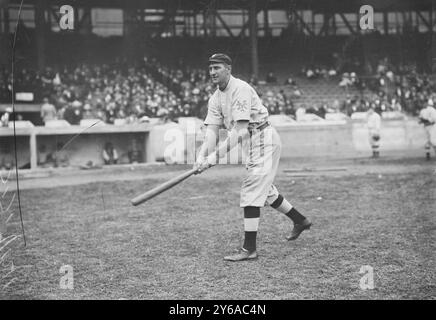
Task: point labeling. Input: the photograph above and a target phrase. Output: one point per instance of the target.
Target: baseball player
(427, 116)
(236, 106)
(373, 121)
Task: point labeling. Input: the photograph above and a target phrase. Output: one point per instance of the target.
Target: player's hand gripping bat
(163, 187)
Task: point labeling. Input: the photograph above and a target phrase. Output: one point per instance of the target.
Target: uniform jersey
(238, 101)
(374, 122)
(429, 114)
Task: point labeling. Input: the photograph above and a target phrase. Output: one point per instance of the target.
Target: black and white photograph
(217, 154)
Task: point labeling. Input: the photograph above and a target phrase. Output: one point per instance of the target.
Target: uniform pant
(374, 140)
(430, 132)
(264, 148)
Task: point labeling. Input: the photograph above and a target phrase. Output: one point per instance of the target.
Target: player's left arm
(240, 109)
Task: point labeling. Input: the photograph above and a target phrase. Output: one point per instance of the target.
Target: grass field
(172, 247)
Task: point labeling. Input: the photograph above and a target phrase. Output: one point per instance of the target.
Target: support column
(266, 30)
(33, 151)
(432, 18)
(148, 148)
(253, 39)
(385, 22)
(4, 16)
(40, 30)
(334, 26)
(326, 25)
(212, 17)
(244, 21)
(5, 52)
(6, 20)
(129, 26)
(205, 23)
(87, 20)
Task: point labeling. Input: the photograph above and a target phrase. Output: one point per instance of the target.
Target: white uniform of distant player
(427, 116)
(373, 122)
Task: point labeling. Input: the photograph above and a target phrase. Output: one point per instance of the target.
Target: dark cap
(220, 58)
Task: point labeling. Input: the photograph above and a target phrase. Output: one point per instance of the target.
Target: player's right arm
(210, 141)
(213, 122)
(208, 146)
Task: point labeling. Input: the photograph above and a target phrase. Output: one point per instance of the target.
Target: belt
(260, 127)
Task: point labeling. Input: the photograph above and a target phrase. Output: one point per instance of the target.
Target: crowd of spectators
(393, 87)
(318, 71)
(150, 89)
(114, 91)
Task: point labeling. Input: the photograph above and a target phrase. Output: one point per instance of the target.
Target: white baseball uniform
(239, 101)
(374, 125)
(429, 114)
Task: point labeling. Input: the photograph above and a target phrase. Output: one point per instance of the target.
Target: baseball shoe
(242, 255)
(298, 229)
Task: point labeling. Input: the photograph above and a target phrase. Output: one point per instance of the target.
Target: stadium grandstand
(126, 62)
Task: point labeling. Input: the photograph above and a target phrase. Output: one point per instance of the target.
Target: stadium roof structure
(166, 11)
(318, 6)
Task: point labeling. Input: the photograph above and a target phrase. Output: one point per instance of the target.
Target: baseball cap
(220, 58)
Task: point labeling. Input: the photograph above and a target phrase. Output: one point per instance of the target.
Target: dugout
(80, 145)
(7, 148)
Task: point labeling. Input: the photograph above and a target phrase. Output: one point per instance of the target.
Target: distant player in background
(134, 154)
(48, 111)
(373, 121)
(427, 116)
(110, 154)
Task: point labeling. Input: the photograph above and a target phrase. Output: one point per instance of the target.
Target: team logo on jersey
(241, 106)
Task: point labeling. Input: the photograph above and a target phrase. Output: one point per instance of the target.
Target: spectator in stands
(300, 113)
(345, 81)
(73, 113)
(322, 110)
(253, 80)
(332, 72)
(395, 105)
(290, 81)
(296, 92)
(4, 120)
(271, 78)
(382, 66)
(110, 155)
(310, 74)
(87, 112)
(48, 111)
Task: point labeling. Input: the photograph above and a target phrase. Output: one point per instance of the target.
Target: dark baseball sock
(250, 241)
(251, 224)
(295, 216)
(283, 206)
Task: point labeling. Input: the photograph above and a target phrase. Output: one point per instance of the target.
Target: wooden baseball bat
(161, 188)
